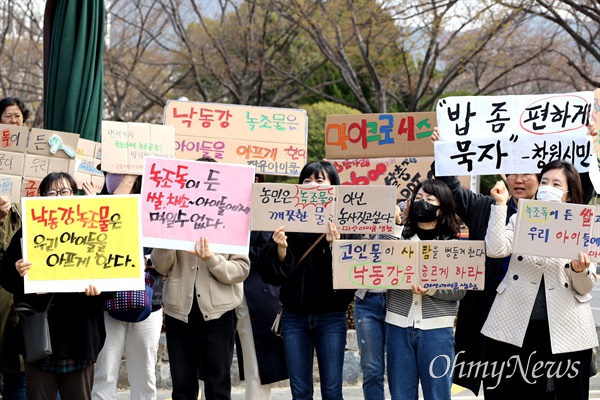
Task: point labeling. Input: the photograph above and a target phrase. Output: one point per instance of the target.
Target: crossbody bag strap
(308, 251)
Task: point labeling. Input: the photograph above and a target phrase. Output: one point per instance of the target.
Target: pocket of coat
(583, 298)
(171, 291)
(501, 287)
(221, 294)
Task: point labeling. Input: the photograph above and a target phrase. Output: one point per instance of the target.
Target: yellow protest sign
(77, 240)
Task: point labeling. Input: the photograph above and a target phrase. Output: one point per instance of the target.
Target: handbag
(276, 327)
(36, 331)
(132, 305)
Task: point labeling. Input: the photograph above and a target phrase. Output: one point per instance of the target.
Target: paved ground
(355, 393)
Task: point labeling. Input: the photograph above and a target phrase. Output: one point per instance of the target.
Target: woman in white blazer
(541, 324)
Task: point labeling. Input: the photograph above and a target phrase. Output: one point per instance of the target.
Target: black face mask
(422, 211)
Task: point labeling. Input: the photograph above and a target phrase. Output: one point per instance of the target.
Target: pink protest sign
(184, 200)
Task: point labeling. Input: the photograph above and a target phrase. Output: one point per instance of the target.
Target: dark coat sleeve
(472, 208)
(9, 277)
(273, 271)
(258, 240)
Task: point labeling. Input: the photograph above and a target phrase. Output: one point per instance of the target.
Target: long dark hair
(320, 168)
(573, 179)
(14, 101)
(52, 177)
(447, 223)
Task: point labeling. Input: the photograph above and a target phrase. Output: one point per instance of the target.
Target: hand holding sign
(202, 250)
(581, 264)
(4, 206)
(280, 238)
(333, 233)
(500, 193)
(435, 136)
(92, 290)
(418, 289)
(22, 267)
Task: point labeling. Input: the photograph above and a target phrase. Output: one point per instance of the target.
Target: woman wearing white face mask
(541, 324)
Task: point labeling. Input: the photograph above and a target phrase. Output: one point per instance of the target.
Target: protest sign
(86, 162)
(308, 208)
(184, 200)
(126, 144)
(404, 173)
(512, 134)
(399, 264)
(271, 139)
(398, 135)
(552, 229)
(47, 151)
(76, 241)
(13, 141)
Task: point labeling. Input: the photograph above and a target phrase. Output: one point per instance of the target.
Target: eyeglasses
(61, 192)
(11, 116)
(524, 177)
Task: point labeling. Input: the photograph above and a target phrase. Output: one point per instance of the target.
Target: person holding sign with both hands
(314, 314)
(541, 317)
(420, 321)
(76, 320)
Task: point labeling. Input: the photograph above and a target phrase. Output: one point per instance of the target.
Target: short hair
(14, 101)
(52, 177)
(320, 168)
(573, 179)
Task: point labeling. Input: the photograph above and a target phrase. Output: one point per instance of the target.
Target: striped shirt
(435, 309)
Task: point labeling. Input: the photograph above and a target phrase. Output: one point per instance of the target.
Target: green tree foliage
(317, 113)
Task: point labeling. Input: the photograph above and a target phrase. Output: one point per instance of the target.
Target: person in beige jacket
(200, 295)
(541, 324)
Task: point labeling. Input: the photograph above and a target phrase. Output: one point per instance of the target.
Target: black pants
(200, 345)
(42, 385)
(528, 379)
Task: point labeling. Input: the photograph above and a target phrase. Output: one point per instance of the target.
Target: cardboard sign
(77, 240)
(184, 200)
(562, 230)
(47, 151)
(404, 173)
(13, 143)
(271, 139)
(308, 208)
(512, 134)
(13, 138)
(88, 158)
(126, 144)
(399, 264)
(398, 135)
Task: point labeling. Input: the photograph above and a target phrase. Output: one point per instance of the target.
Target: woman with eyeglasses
(76, 320)
(420, 321)
(12, 112)
(541, 317)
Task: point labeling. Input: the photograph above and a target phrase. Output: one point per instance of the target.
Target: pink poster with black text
(185, 200)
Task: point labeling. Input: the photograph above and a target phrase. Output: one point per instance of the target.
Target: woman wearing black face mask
(420, 321)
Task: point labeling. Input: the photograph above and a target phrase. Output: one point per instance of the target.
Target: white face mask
(549, 193)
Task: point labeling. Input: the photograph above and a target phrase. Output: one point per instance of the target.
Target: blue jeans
(425, 354)
(369, 319)
(302, 335)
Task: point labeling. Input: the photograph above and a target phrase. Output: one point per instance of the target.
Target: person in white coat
(541, 324)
